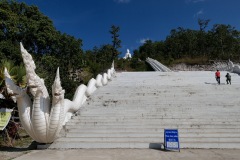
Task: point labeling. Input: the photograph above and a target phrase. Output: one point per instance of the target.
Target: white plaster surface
(134, 109)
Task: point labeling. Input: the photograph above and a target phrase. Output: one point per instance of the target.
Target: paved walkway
(132, 154)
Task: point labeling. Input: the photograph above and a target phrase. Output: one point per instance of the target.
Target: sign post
(171, 139)
(5, 115)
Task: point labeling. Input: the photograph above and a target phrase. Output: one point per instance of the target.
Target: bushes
(192, 61)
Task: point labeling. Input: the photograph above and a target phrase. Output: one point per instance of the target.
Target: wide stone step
(154, 130)
(120, 118)
(88, 136)
(138, 104)
(180, 113)
(195, 144)
(179, 126)
(170, 109)
(164, 114)
(155, 122)
(151, 121)
(168, 116)
(133, 110)
(160, 107)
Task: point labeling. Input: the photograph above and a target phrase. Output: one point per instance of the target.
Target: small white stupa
(127, 55)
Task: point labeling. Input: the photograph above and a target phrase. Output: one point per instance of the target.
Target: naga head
(57, 91)
(13, 90)
(35, 83)
(230, 63)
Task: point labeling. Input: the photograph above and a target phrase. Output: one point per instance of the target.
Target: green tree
(203, 23)
(225, 41)
(22, 23)
(50, 48)
(17, 73)
(116, 42)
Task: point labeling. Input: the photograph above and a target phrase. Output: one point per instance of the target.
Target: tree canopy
(116, 42)
(221, 42)
(50, 48)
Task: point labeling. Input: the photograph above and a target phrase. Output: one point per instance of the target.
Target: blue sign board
(171, 139)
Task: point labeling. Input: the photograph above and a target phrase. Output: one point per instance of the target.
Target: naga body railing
(41, 119)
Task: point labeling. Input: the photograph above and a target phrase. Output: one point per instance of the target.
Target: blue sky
(139, 20)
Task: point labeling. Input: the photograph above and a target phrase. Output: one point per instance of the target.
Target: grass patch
(23, 141)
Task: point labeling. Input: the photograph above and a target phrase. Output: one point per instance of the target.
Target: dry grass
(192, 61)
(18, 147)
(23, 141)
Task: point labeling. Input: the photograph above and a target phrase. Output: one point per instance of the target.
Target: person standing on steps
(217, 75)
(228, 78)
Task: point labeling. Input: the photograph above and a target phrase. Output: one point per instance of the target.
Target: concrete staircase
(133, 110)
(157, 66)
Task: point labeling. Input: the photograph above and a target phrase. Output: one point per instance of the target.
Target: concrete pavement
(132, 154)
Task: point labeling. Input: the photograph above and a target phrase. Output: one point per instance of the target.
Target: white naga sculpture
(233, 68)
(127, 55)
(40, 120)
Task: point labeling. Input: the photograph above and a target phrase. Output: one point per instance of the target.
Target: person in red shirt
(217, 75)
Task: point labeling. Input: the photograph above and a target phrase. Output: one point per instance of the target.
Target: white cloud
(199, 13)
(122, 1)
(143, 40)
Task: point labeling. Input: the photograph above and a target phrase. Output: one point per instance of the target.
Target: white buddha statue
(127, 55)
